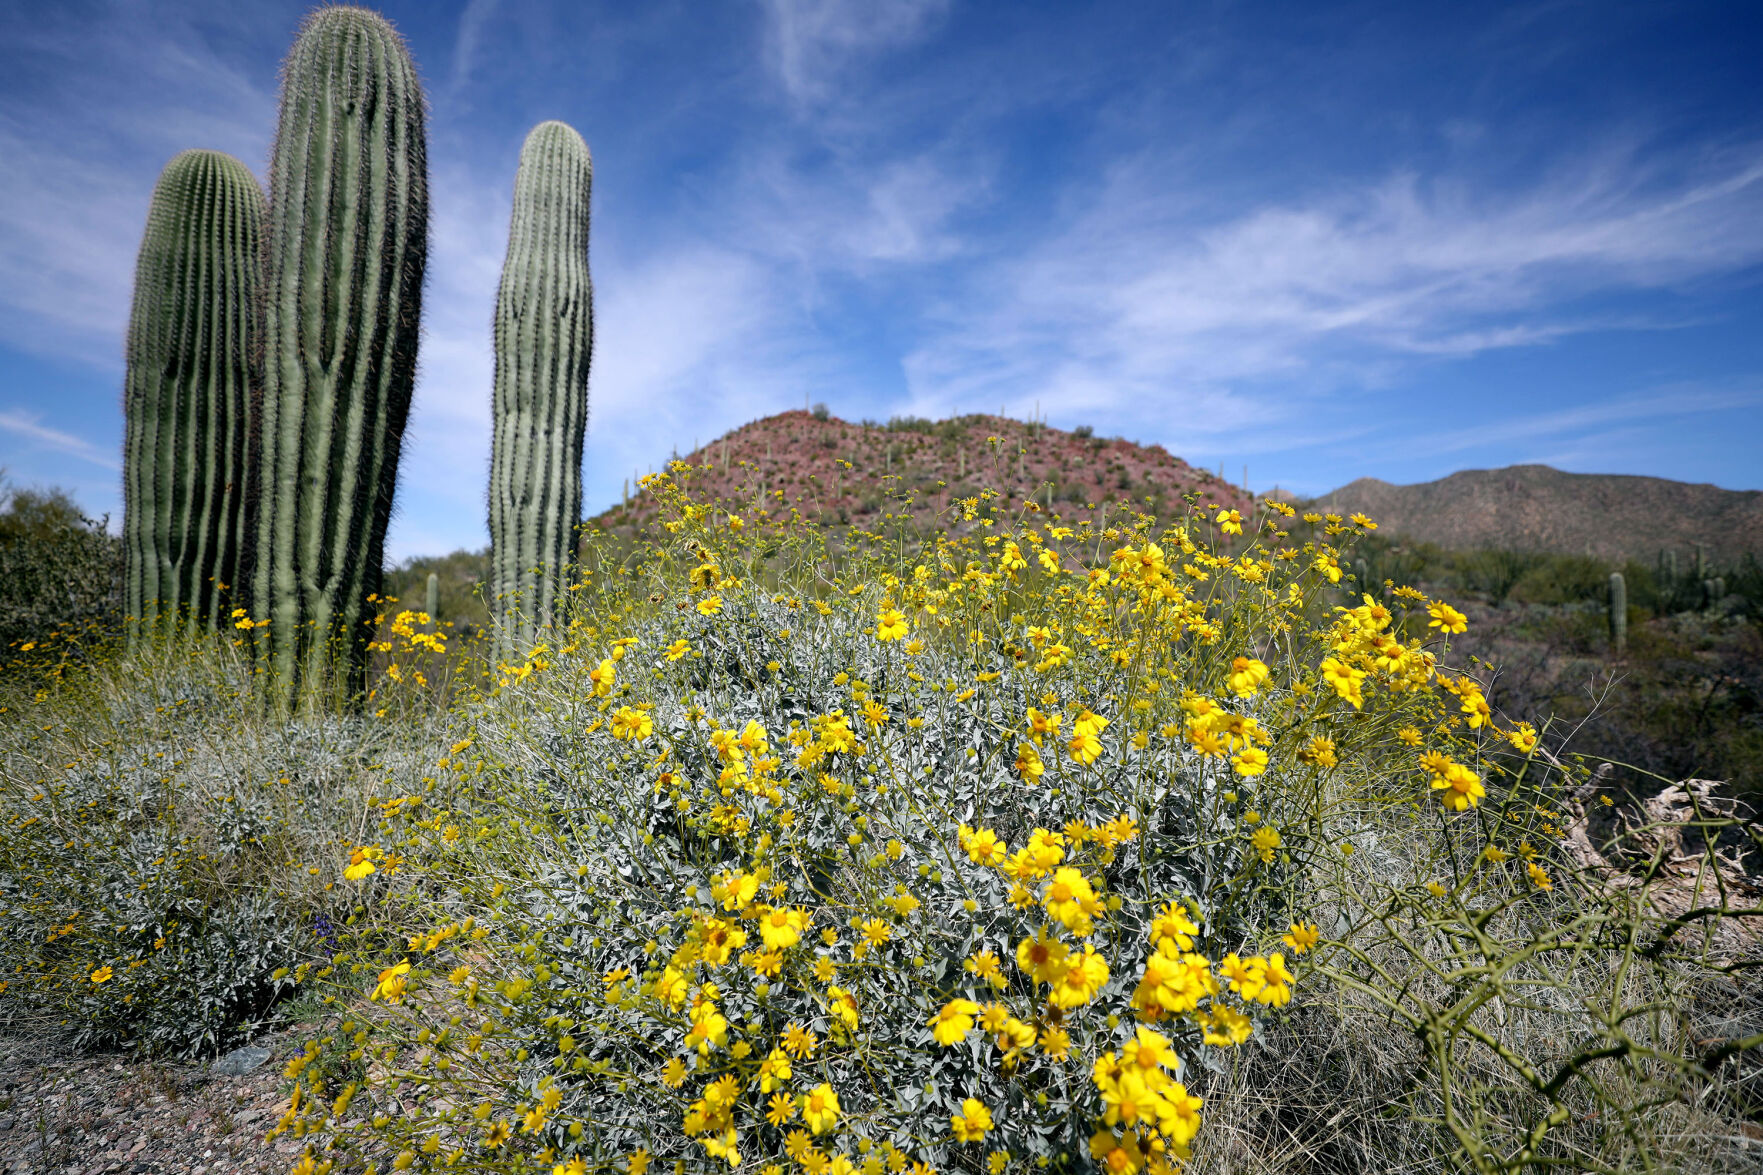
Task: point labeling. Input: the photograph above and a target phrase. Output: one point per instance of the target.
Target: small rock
(240, 1061)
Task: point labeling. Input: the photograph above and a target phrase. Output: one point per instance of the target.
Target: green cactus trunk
(544, 342)
(187, 399)
(1618, 613)
(346, 245)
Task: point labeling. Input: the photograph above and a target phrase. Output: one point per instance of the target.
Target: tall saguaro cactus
(544, 342)
(186, 402)
(346, 245)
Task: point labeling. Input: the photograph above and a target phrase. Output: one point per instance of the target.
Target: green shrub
(60, 577)
(918, 424)
(1563, 579)
(1494, 573)
(167, 854)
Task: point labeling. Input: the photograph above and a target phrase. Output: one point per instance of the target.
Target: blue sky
(1321, 240)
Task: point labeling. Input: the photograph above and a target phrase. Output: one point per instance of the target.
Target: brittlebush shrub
(968, 854)
(169, 852)
(983, 853)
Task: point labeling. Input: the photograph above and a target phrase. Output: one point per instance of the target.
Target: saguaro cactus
(186, 401)
(1618, 613)
(544, 334)
(346, 244)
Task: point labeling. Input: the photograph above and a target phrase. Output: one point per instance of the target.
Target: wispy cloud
(692, 341)
(809, 43)
(467, 40)
(874, 219)
(1666, 403)
(82, 156)
(69, 230)
(1136, 298)
(29, 426)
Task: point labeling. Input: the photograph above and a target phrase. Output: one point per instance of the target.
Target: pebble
(240, 1061)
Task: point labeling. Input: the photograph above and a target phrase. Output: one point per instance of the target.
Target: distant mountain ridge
(1610, 516)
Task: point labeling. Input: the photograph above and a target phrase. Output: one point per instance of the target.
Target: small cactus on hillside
(544, 335)
(192, 337)
(1618, 613)
(346, 245)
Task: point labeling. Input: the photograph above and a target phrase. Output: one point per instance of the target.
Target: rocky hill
(1539, 508)
(846, 474)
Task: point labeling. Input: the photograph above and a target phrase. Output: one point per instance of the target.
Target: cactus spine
(345, 250)
(1618, 613)
(544, 334)
(187, 394)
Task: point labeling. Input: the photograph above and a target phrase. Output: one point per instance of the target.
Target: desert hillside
(844, 473)
(1539, 508)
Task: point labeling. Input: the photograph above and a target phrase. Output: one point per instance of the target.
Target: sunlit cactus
(187, 396)
(346, 245)
(544, 333)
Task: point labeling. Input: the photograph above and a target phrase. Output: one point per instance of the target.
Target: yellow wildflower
(973, 1122)
(820, 1108)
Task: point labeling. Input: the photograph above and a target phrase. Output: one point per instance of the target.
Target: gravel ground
(65, 1113)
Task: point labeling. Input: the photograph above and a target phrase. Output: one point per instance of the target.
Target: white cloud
(1581, 420)
(466, 42)
(69, 231)
(810, 43)
(690, 343)
(30, 427)
(1140, 297)
(82, 156)
(863, 216)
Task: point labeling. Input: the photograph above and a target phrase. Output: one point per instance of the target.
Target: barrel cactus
(187, 396)
(544, 335)
(346, 245)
